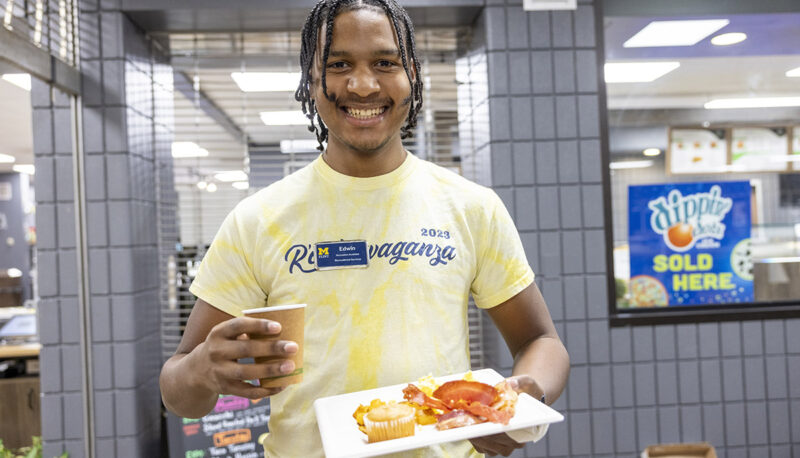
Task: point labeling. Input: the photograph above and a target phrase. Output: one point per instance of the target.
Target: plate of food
(426, 412)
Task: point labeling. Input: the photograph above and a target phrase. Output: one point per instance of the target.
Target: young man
(430, 237)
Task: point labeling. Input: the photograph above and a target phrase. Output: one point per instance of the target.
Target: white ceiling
(699, 80)
(212, 57)
(16, 131)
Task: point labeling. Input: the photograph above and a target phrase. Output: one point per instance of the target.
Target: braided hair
(325, 12)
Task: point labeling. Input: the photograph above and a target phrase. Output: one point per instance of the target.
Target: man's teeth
(364, 114)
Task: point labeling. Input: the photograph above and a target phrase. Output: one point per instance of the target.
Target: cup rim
(274, 308)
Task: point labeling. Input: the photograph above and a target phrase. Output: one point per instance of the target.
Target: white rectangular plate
(342, 439)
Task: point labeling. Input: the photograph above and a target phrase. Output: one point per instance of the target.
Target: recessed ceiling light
(630, 164)
(651, 152)
(793, 73)
(202, 185)
(22, 80)
(6, 159)
(25, 168)
(753, 102)
(242, 185)
(726, 39)
(674, 33)
(188, 149)
(284, 118)
(230, 176)
(637, 72)
(212, 187)
(266, 81)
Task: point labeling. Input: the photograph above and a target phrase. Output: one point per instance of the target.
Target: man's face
(365, 79)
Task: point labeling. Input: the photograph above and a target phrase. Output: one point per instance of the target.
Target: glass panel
(704, 147)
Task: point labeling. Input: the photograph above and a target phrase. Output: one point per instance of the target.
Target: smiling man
(417, 241)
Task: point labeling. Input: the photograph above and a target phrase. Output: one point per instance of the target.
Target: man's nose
(363, 83)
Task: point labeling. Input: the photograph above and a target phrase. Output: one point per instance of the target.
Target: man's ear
(412, 71)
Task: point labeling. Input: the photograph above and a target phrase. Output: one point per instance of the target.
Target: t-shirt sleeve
(502, 268)
(226, 276)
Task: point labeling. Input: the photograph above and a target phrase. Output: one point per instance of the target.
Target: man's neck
(364, 165)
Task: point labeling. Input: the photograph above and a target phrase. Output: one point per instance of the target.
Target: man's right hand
(206, 365)
(215, 360)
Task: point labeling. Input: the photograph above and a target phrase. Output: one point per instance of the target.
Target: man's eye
(386, 63)
(337, 65)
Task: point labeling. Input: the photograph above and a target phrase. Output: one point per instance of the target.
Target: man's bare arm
(541, 363)
(530, 335)
(205, 364)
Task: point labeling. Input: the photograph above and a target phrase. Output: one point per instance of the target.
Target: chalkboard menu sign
(231, 430)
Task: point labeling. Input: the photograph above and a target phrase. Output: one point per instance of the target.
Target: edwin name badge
(350, 254)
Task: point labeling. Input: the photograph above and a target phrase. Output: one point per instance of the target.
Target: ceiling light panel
(188, 149)
(674, 33)
(22, 80)
(753, 102)
(266, 81)
(299, 146)
(637, 72)
(630, 164)
(793, 73)
(231, 176)
(284, 118)
(25, 168)
(6, 159)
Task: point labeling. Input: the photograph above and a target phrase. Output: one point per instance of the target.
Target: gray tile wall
(127, 132)
(732, 384)
(473, 117)
(57, 264)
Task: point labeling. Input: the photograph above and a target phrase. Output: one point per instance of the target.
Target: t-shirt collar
(381, 181)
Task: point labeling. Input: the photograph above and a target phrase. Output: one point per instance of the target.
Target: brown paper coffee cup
(292, 320)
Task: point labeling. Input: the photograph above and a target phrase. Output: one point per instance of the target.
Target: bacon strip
(482, 410)
(468, 398)
(413, 394)
(456, 419)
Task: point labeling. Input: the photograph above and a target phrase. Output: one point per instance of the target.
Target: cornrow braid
(416, 88)
(326, 11)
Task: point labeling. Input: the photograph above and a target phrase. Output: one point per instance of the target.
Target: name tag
(350, 254)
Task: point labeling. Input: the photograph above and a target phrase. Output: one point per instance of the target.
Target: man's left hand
(496, 444)
(501, 444)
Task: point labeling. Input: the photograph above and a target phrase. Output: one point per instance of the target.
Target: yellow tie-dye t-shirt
(433, 238)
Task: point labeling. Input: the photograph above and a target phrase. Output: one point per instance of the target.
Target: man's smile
(362, 113)
(364, 116)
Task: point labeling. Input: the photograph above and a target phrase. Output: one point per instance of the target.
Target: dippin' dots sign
(685, 221)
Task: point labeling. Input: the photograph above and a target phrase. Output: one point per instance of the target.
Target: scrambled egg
(427, 385)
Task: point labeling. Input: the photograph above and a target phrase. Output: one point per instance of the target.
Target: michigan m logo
(322, 251)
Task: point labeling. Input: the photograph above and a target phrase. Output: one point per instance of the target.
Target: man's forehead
(337, 25)
(391, 52)
(340, 46)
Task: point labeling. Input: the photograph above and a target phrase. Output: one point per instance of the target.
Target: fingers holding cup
(287, 344)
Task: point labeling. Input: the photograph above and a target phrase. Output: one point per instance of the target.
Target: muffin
(390, 421)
